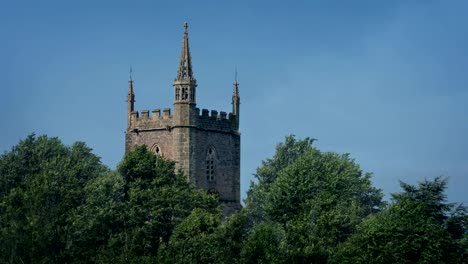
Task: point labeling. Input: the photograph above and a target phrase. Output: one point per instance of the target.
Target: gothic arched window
(184, 93)
(177, 93)
(156, 150)
(210, 164)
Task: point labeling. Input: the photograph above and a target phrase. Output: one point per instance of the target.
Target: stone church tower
(206, 145)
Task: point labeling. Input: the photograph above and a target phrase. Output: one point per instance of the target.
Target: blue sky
(383, 80)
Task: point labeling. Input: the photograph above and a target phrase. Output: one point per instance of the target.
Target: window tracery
(184, 93)
(177, 95)
(210, 164)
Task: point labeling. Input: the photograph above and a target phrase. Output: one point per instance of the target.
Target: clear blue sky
(386, 81)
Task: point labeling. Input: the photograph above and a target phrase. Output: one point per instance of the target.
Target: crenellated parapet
(206, 120)
(212, 120)
(154, 121)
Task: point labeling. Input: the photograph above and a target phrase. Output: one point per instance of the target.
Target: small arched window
(184, 93)
(156, 150)
(177, 94)
(210, 164)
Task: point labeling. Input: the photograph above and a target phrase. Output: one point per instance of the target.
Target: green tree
(230, 237)
(266, 243)
(204, 237)
(41, 182)
(95, 222)
(419, 227)
(317, 197)
(193, 240)
(286, 154)
(128, 215)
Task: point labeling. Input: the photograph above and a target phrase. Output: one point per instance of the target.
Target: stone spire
(236, 100)
(185, 84)
(130, 98)
(236, 87)
(185, 64)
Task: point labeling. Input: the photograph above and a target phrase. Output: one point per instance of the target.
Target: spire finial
(186, 27)
(131, 73)
(236, 84)
(235, 74)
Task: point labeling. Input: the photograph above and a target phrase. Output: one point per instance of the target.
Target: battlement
(212, 120)
(154, 121)
(206, 120)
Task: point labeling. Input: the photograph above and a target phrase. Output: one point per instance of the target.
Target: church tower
(205, 145)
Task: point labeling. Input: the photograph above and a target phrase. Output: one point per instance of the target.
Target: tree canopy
(59, 204)
(315, 199)
(41, 182)
(418, 227)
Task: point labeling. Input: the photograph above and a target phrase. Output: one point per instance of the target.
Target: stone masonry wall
(163, 138)
(227, 166)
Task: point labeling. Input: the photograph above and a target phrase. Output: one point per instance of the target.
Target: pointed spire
(130, 101)
(130, 84)
(185, 64)
(130, 95)
(236, 101)
(236, 85)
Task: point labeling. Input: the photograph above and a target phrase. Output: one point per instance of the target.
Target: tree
(204, 237)
(266, 243)
(318, 198)
(286, 154)
(419, 227)
(193, 240)
(97, 221)
(41, 182)
(129, 215)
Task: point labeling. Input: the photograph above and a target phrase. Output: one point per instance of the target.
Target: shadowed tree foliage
(193, 240)
(266, 243)
(419, 227)
(130, 214)
(59, 204)
(41, 183)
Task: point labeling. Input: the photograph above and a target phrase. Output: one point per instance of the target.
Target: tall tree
(128, 215)
(419, 227)
(41, 182)
(193, 240)
(318, 198)
(286, 154)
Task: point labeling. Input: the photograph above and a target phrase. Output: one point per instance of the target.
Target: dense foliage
(59, 204)
(311, 200)
(419, 227)
(41, 183)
